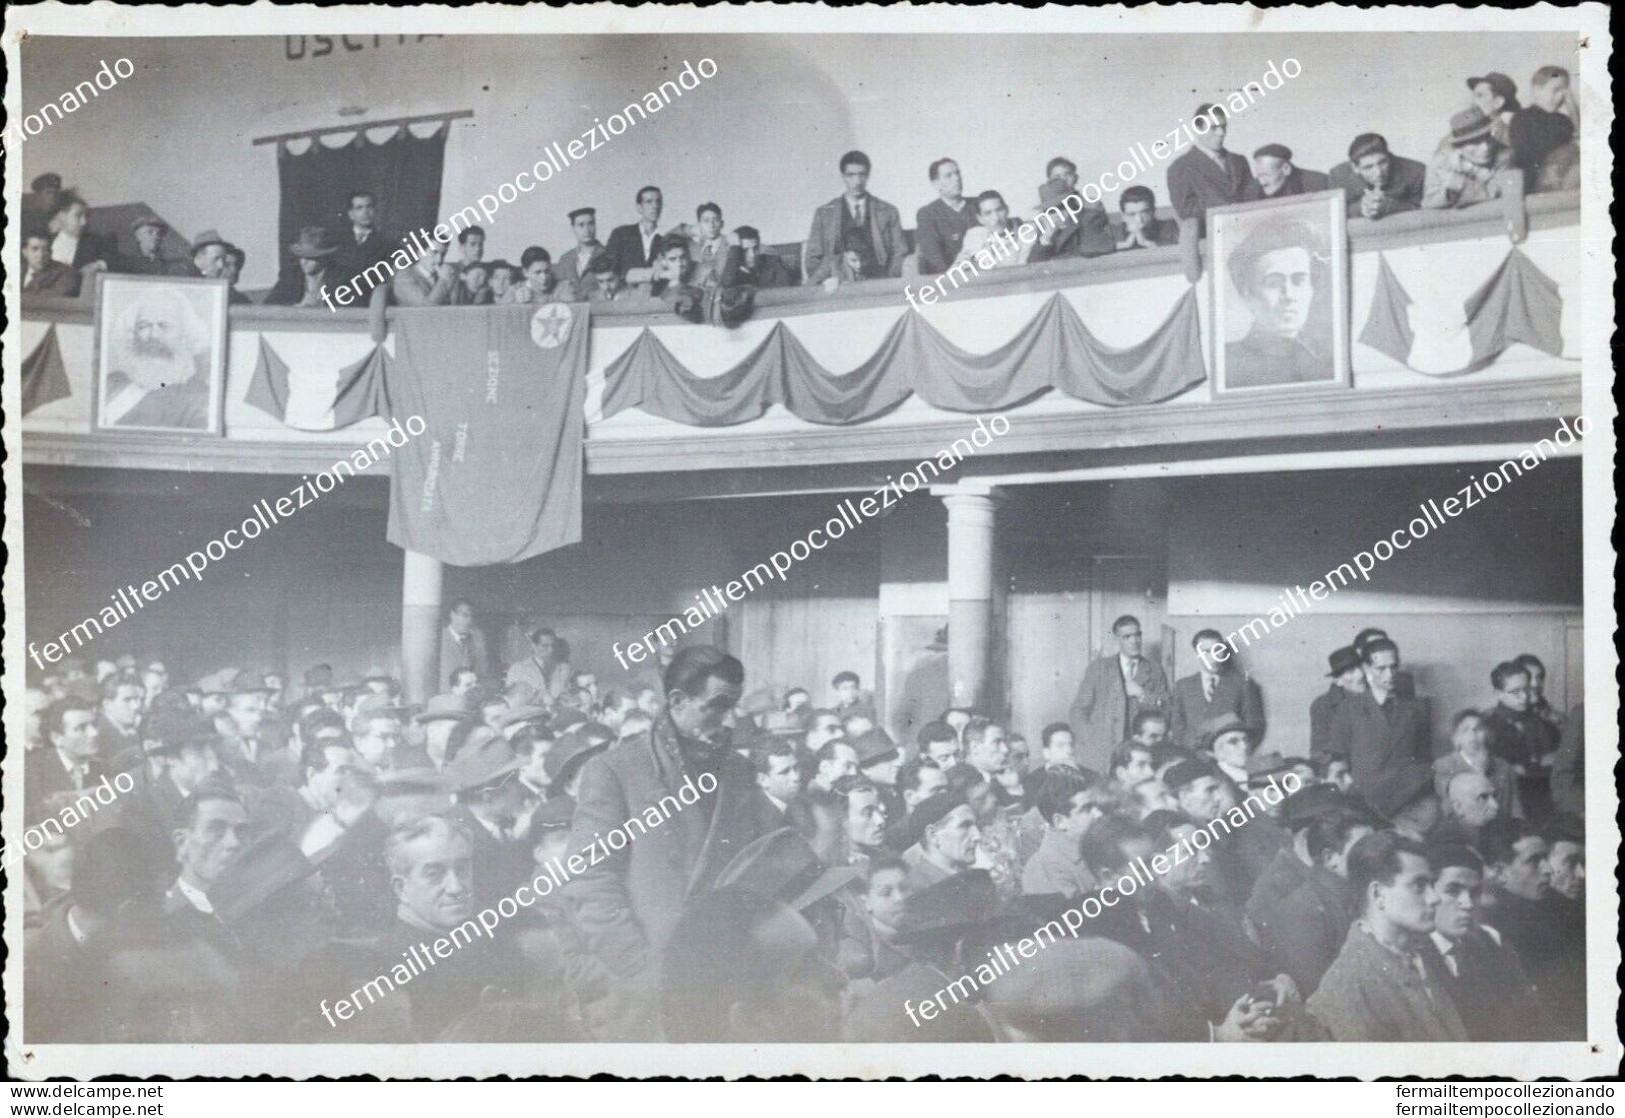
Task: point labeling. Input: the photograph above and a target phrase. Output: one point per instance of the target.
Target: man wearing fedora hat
(943, 929)
(241, 747)
(1347, 679)
(782, 865)
(148, 259)
(484, 777)
(1229, 741)
(1468, 166)
(433, 727)
(207, 259)
(315, 250)
(744, 968)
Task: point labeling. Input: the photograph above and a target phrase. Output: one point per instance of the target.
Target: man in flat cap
(40, 202)
(939, 839)
(1275, 175)
(1376, 181)
(1279, 270)
(1468, 166)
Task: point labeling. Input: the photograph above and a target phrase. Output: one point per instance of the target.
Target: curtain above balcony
(1054, 351)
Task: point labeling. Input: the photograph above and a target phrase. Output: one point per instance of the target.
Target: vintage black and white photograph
(767, 541)
(1280, 289)
(161, 354)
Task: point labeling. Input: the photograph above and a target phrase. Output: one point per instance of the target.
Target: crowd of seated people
(276, 849)
(705, 272)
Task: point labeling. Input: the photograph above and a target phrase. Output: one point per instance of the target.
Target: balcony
(1440, 256)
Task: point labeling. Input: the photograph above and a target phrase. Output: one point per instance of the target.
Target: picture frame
(1289, 330)
(159, 356)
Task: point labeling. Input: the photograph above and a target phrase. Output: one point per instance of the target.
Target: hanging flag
(357, 394)
(44, 380)
(496, 476)
(1519, 303)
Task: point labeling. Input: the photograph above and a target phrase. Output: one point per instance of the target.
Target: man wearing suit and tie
(362, 245)
(633, 249)
(1220, 687)
(856, 216)
(71, 762)
(1115, 688)
(462, 645)
(1384, 735)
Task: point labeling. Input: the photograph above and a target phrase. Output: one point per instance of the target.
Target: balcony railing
(1521, 386)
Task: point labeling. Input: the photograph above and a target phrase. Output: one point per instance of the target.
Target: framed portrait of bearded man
(1280, 294)
(160, 355)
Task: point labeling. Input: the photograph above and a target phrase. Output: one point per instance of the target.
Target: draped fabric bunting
(357, 394)
(1519, 303)
(1056, 350)
(44, 380)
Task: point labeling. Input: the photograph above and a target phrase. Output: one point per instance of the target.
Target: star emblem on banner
(550, 325)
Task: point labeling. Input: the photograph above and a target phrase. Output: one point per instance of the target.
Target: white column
(420, 626)
(971, 517)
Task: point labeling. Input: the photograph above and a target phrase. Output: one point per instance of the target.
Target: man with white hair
(158, 365)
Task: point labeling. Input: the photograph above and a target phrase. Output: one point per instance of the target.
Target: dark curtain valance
(404, 171)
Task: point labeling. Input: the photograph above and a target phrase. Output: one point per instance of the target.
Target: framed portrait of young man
(1280, 294)
(160, 355)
